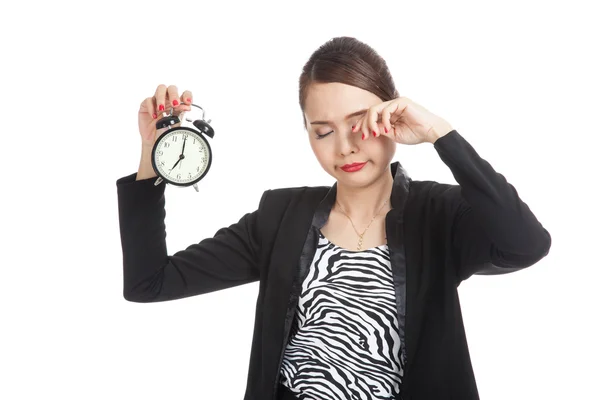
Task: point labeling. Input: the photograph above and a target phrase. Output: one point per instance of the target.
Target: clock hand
(181, 156)
(176, 164)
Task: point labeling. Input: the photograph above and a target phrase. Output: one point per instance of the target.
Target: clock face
(178, 165)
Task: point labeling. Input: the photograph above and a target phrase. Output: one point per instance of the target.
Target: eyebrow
(347, 116)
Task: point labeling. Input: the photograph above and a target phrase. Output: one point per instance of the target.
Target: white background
(517, 79)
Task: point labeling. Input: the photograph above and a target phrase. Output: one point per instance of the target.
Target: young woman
(358, 281)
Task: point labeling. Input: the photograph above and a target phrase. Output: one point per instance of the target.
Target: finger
(372, 122)
(368, 127)
(173, 95)
(385, 119)
(149, 102)
(180, 110)
(186, 97)
(364, 128)
(358, 127)
(159, 95)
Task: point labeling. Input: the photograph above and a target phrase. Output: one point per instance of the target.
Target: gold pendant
(359, 243)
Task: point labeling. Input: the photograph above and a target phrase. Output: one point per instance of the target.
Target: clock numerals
(167, 155)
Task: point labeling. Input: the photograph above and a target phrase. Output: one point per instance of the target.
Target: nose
(347, 141)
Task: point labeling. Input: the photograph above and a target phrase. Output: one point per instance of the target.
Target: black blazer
(438, 235)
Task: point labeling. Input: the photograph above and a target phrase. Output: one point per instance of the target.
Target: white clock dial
(185, 170)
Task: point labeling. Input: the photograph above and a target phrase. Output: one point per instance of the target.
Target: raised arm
(491, 230)
(228, 259)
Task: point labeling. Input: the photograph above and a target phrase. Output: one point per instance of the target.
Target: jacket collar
(399, 190)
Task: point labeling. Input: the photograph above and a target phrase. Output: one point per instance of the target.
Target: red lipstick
(353, 167)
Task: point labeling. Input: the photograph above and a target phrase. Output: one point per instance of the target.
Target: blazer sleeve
(229, 258)
(492, 231)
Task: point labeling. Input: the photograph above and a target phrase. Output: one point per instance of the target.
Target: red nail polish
(188, 100)
(364, 137)
(154, 116)
(353, 127)
(385, 129)
(374, 133)
(175, 103)
(161, 108)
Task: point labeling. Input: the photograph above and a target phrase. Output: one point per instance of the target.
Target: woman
(358, 281)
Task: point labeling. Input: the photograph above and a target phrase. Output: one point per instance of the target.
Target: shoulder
(287, 195)
(434, 194)
(431, 188)
(296, 203)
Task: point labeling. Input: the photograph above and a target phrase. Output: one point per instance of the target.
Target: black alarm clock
(182, 155)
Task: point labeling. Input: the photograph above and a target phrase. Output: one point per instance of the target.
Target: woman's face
(328, 104)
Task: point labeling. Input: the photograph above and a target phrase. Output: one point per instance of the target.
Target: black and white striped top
(344, 342)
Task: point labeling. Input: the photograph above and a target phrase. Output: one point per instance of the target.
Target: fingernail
(385, 129)
(188, 100)
(161, 108)
(374, 134)
(364, 137)
(154, 116)
(352, 128)
(175, 103)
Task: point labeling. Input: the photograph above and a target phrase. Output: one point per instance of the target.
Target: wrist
(147, 147)
(438, 132)
(145, 170)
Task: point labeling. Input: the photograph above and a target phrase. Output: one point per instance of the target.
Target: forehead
(333, 101)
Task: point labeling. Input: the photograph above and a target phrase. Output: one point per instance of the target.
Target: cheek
(376, 146)
(388, 148)
(319, 150)
(324, 154)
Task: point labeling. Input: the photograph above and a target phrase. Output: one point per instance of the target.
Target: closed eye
(327, 134)
(322, 136)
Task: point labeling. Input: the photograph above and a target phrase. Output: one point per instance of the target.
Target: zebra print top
(344, 342)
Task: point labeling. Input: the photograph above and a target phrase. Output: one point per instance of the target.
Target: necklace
(360, 236)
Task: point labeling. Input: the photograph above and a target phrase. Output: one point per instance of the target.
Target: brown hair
(347, 60)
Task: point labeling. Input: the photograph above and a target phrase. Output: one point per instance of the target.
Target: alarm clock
(181, 155)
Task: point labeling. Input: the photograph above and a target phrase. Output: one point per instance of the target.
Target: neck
(362, 203)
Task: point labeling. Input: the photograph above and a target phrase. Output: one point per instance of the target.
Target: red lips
(353, 167)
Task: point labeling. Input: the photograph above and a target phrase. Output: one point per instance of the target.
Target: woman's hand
(402, 120)
(152, 108)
